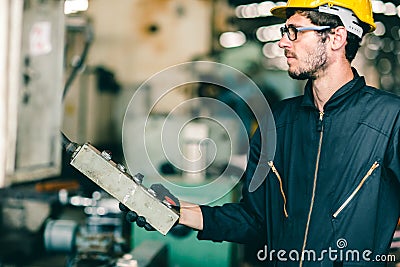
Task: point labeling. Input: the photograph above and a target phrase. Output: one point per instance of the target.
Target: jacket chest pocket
(354, 193)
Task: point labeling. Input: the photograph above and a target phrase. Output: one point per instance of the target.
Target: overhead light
(390, 9)
(74, 6)
(264, 8)
(251, 11)
(269, 33)
(272, 50)
(380, 28)
(239, 11)
(254, 10)
(374, 43)
(378, 7)
(247, 11)
(232, 39)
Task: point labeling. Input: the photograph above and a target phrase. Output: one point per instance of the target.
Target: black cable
(78, 65)
(68, 145)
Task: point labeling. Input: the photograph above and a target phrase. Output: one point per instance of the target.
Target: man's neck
(328, 82)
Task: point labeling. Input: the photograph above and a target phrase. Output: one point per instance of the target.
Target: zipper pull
(374, 166)
(274, 170)
(369, 173)
(272, 166)
(319, 124)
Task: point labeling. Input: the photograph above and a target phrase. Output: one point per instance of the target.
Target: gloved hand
(165, 196)
(132, 216)
(162, 194)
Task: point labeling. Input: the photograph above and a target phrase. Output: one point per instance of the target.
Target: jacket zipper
(274, 170)
(320, 128)
(364, 179)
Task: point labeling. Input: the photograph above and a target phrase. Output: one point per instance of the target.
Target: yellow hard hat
(361, 8)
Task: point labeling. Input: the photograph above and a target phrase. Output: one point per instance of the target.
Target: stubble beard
(314, 63)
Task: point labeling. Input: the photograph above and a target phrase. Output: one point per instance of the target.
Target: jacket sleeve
(393, 153)
(238, 222)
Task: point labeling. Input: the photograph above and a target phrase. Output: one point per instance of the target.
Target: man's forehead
(297, 18)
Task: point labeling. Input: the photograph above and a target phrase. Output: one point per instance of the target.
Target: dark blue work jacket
(332, 197)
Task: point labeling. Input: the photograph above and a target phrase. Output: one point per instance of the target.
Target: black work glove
(166, 197)
(132, 216)
(162, 194)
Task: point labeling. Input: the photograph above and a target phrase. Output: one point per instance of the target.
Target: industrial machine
(31, 51)
(32, 86)
(97, 240)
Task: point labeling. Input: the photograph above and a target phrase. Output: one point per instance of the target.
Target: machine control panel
(113, 178)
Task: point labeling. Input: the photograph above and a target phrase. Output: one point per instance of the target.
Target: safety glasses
(291, 31)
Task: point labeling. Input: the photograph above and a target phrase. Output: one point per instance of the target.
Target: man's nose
(284, 41)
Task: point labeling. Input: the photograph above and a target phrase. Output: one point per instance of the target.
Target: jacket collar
(339, 96)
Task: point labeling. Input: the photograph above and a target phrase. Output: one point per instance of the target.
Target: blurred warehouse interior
(74, 66)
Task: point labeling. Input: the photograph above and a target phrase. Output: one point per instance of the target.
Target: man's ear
(339, 39)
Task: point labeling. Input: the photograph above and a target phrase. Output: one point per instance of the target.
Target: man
(332, 197)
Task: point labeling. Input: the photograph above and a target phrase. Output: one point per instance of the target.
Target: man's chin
(298, 76)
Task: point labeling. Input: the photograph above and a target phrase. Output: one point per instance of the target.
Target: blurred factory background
(74, 65)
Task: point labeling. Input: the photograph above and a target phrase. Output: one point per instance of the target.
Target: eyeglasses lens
(290, 31)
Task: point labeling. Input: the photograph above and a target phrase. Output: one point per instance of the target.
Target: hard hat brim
(280, 12)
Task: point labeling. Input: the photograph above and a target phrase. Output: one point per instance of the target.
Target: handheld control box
(127, 189)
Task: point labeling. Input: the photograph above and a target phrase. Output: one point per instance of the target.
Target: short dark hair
(324, 19)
